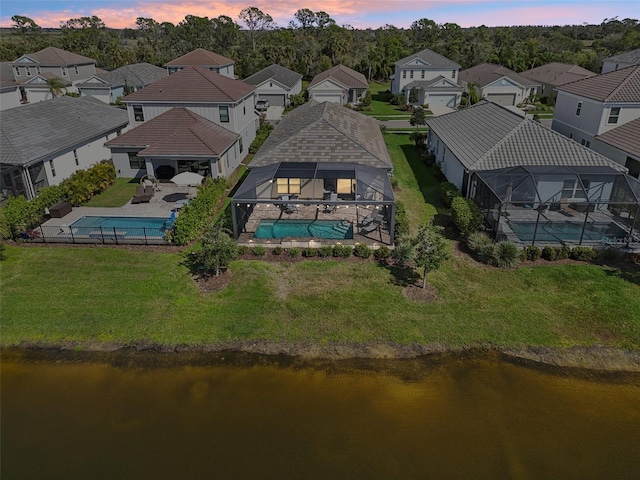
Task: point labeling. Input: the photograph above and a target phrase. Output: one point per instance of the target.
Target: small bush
(259, 251)
(309, 252)
(325, 251)
(261, 135)
(294, 252)
(404, 252)
(362, 250)
(562, 252)
(532, 253)
(506, 255)
(394, 182)
(610, 254)
(478, 240)
(342, 251)
(583, 254)
(461, 215)
(487, 253)
(277, 250)
(549, 253)
(243, 250)
(401, 226)
(382, 253)
(448, 191)
(397, 99)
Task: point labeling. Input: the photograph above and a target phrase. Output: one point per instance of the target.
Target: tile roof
(632, 57)
(343, 75)
(178, 131)
(625, 137)
(35, 131)
(325, 132)
(282, 75)
(557, 74)
(620, 86)
(487, 73)
(427, 84)
(193, 84)
(136, 75)
(432, 58)
(488, 136)
(200, 58)
(56, 57)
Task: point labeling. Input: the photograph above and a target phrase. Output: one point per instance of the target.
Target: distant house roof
(42, 79)
(56, 57)
(487, 73)
(620, 86)
(488, 136)
(325, 132)
(557, 74)
(282, 75)
(427, 84)
(343, 75)
(177, 132)
(431, 58)
(193, 84)
(39, 130)
(200, 58)
(136, 75)
(625, 137)
(632, 57)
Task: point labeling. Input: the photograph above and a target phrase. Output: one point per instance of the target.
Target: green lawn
(380, 105)
(116, 195)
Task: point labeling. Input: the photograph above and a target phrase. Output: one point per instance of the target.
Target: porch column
(29, 191)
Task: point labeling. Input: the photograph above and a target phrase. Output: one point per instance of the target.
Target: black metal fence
(97, 235)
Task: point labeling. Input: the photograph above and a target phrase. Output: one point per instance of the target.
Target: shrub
(562, 252)
(243, 250)
(448, 191)
(277, 250)
(325, 251)
(401, 226)
(397, 99)
(610, 254)
(487, 253)
(217, 250)
(294, 252)
(478, 240)
(261, 135)
(403, 253)
(532, 253)
(362, 250)
(505, 255)
(366, 100)
(461, 215)
(342, 251)
(309, 252)
(549, 253)
(394, 182)
(259, 251)
(584, 254)
(382, 253)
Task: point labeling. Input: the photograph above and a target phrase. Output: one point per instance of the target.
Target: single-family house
(498, 84)
(321, 176)
(340, 85)
(622, 60)
(38, 88)
(43, 143)
(622, 145)
(556, 74)
(427, 77)
(10, 94)
(276, 84)
(224, 101)
(595, 105)
(532, 184)
(109, 86)
(176, 141)
(203, 58)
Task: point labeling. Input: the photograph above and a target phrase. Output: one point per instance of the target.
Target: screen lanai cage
(314, 202)
(560, 205)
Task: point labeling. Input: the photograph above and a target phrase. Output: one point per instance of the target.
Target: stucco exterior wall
(421, 71)
(9, 98)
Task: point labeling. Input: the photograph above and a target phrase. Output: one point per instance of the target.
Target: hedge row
(326, 251)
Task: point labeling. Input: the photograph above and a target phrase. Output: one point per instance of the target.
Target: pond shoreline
(596, 358)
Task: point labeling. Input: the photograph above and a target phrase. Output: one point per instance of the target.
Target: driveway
(441, 110)
(274, 114)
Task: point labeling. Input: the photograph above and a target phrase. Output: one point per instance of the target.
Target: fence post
(115, 235)
(144, 233)
(102, 235)
(44, 239)
(73, 239)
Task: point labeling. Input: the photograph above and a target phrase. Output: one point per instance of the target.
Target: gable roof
(620, 86)
(632, 57)
(56, 57)
(625, 137)
(41, 80)
(193, 84)
(343, 75)
(488, 136)
(431, 58)
(136, 75)
(557, 74)
(452, 86)
(178, 131)
(324, 132)
(200, 57)
(487, 73)
(39, 130)
(282, 75)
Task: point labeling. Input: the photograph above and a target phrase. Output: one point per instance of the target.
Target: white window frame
(17, 70)
(224, 108)
(138, 115)
(613, 117)
(76, 69)
(578, 109)
(28, 71)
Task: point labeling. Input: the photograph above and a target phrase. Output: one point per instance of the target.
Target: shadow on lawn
(402, 276)
(627, 271)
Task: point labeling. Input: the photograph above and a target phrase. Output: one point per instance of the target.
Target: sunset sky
(357, 13)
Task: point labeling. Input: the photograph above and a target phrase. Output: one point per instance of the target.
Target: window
(288, 186)
(614, 114)
(53, 168)
(75, 157)
(411, 74)
(586, 143)
(453, 74)
(345, 185)
(422, 74)
(135, 162)
(17, 71)
(578, 109)
(76, 68)
(28, 71)
(64, 71)
(572, 188)
(244, 109)
(38, 70)
(138, 113)
(224, 114)
(634, 167)
(241, 145)
(404, 74)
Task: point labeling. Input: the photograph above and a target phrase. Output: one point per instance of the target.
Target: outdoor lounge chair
(374, 225)
(564, 206)
(373, 217)
(142, 195)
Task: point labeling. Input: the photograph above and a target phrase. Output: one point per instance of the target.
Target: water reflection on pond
(248, 418)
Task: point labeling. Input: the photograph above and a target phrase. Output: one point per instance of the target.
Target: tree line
(313, 42)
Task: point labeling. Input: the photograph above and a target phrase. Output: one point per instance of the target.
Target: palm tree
(474, 95)
(56, 86)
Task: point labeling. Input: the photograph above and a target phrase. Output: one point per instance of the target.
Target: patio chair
(374, 216)
(333, 197)
(374, 225)
(141, 195)
(564, 206)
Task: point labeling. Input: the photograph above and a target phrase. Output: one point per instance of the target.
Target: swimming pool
(565, 231)
(121, 226)
(330, 229)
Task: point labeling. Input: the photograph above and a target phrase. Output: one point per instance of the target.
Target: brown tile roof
(620, 86)
(625, 137)
(200, 58)
(344, 75)
(178, 131)
(487, 73)
(193, 84)
(557, 74)
(54, 57)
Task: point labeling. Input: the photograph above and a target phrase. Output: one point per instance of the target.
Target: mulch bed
(416, 293)
(211, 283)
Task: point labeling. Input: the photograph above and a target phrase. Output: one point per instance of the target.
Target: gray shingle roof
(487, 73)
(488, 136)
(432, 58)
(625, 137)
(343, 75)
(136, 75)
(557, 74)
(200, 57)
(632, 57)
(325, 132)
(282, 75)
(36, 131)
(55, 57)
(620, 86)
(427, 84)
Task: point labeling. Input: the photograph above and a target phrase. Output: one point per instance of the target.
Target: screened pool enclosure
(559, 205)
(314, 202)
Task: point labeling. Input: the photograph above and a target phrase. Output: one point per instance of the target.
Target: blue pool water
(122, 226)
(554, 232)
(330, 229)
